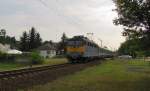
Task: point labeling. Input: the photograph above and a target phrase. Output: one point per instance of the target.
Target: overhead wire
(56, 10)
(68, 19)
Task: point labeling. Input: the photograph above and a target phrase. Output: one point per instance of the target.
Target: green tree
(64, 38)
(5, 39)
(32, 38)
(62, 43)
(50, 42)
(30, 41)
(38, 40)
(24, 42)
(36, 58)
(134, 15)
(3, 32)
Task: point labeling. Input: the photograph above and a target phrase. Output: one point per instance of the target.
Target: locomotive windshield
(75, 43)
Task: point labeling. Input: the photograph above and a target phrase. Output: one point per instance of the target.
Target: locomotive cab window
(75, 43)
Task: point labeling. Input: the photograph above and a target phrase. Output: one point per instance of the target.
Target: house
(47, 50)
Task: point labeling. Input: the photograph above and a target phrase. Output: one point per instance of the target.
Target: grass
(9, 66)
(113, 75)
(55, 61)
(13, 66)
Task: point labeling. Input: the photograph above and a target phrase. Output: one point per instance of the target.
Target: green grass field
(55, 61)
(9, 66)
(13, 66)
(113, 75)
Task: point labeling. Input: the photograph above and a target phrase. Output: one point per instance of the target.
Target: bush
(36, 58)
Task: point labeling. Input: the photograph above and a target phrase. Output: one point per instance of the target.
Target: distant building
(47, 50)
(14, 51)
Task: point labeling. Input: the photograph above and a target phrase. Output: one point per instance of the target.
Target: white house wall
(48, 53)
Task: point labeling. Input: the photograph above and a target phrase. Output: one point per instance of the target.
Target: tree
(50, 42)
(32, 38)
(6, 39)
(3, 32)
(36, 58)
(64, 38)
(130, 47)
(38, 40)
(134, 15)
(24, 42)
(30, 41)
(62, 43)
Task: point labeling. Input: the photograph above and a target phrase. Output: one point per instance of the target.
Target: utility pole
(101, 42)
(111, 48)
(90, 36)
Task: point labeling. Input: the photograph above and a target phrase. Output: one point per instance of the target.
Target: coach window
(91, 44)
(87, 43)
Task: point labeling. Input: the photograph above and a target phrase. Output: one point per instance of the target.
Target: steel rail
(12, 73)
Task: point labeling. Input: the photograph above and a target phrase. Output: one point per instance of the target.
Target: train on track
(82, 49)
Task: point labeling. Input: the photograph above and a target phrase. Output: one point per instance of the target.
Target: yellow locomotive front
(75, 49)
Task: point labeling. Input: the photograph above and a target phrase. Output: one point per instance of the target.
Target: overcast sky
(53, 17)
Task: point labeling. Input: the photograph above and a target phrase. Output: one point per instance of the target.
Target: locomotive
(82, 49)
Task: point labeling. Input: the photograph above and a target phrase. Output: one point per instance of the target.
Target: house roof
(47, 46)
(14, 51)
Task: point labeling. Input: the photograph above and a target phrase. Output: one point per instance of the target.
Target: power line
(68, 19)
(42, 2)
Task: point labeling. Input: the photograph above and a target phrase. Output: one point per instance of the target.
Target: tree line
(5, 39)
(30, 41)
(134, 16)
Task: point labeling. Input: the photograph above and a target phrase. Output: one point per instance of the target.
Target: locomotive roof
(82, 38)
(79, 38)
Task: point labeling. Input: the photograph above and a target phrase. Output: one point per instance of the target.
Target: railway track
(29, 77)
(6, 74)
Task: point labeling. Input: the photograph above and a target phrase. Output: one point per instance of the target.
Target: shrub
(36, 58)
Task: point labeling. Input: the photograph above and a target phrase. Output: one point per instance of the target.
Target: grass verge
(113, 75)
(13, 66)
(10, 66)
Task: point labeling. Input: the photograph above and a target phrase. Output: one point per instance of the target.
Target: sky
(53, 17)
